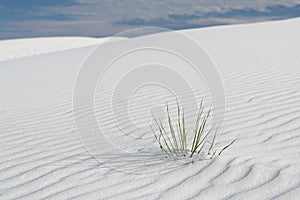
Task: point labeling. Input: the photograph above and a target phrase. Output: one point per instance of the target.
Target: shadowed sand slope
(41, 156)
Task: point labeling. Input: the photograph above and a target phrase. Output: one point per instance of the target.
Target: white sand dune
(18, 48)
(41, 156)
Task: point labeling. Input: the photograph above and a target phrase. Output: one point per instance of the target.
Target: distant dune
(18, 48)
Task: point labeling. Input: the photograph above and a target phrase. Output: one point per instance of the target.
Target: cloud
(14, 10)
(23, 5)
(107, 17)
(200, 19)
(278, 11)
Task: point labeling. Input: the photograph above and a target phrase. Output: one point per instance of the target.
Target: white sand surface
(41, 156)
(18, 48)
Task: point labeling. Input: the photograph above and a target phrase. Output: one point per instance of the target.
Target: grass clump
(172, 138)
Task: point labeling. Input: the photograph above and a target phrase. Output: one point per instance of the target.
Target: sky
(100, 18)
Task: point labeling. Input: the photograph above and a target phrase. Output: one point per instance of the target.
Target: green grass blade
(227, 146)
(172, 131)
